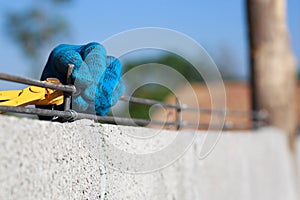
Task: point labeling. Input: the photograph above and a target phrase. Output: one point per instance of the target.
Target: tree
(225, 60)
(273, 67)
(36, 27)
(155, 91)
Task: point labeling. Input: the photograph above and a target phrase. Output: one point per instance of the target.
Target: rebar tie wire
(259, 118)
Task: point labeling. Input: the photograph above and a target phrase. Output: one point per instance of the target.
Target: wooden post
(273, 66)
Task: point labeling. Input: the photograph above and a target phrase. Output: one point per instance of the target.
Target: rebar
(67, 96)
(258, 117)
(71, 115)
(28, 81)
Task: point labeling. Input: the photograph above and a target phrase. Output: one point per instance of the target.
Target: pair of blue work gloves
(96, 76)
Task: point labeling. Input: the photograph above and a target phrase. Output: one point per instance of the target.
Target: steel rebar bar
(28, 81)
(251, 114)
(73, 115)
(71, 89)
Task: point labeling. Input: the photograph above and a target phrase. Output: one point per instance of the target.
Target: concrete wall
(87, 160)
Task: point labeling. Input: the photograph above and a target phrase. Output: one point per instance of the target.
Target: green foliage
(150, 91)
(33, 29)
(36, 26)
(172, 60)
(155, 91)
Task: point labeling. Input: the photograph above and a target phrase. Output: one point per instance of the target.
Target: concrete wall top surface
(88, 160)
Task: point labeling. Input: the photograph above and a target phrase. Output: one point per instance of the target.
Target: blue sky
(212, 23)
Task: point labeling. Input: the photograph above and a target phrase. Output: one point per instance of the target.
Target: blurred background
(31, 29)
(255, 45)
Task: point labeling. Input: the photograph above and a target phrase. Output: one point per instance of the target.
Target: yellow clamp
(32, 95)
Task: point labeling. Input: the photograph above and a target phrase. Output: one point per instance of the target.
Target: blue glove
(95, 75)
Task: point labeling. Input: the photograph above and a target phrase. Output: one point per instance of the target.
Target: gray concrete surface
(86, 160)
